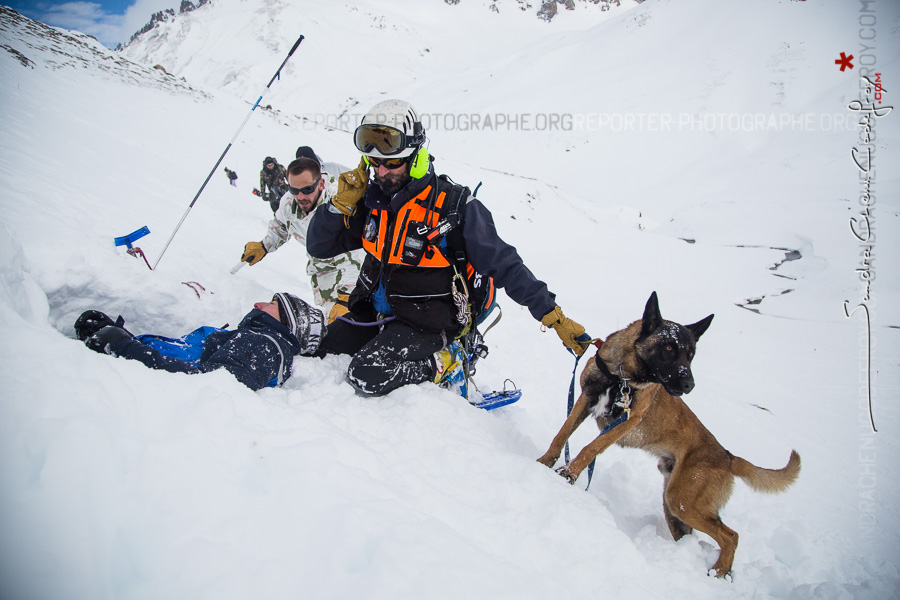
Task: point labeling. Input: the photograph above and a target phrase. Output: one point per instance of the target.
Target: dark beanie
(307, 152)
(302, 320)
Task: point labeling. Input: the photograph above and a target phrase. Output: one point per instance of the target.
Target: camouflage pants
(332, 277)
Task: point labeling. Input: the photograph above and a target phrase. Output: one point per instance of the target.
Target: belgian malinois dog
(644, 369)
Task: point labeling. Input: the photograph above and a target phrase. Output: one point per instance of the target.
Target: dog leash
(623, 400)
(571, 405)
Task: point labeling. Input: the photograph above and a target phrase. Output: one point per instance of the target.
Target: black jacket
(259, 351)
(489, 254)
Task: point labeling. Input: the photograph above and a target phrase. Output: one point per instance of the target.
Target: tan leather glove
(571, 333)
(253, 253)
(340, 308)
(351, 187)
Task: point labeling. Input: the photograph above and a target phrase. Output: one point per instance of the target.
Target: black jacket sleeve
(327, 235)
(490, 255)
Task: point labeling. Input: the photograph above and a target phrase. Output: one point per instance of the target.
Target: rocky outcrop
(549, 8)
(163, 16)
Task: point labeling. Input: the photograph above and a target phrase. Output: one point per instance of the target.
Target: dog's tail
(767, 480)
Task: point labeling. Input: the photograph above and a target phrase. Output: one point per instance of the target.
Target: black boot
(103, 340)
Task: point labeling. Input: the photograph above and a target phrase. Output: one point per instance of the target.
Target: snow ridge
(34, 43)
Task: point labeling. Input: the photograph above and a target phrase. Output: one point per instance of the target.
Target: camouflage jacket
(268, 179)
(328, 276)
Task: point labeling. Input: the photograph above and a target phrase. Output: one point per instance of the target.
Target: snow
(121, 482)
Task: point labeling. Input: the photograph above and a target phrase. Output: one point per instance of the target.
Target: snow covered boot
(450, 371)
(102, 341)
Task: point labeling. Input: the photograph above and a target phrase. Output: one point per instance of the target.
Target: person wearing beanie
(272, 182)
(259, 352)
(330, 170)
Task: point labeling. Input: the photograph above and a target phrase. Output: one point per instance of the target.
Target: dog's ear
(700, 327)
(652, 320)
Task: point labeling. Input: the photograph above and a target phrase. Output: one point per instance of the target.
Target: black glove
(92, 321)
(106, 338)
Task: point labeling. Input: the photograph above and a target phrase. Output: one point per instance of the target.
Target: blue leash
(571, 405)
(624, 390)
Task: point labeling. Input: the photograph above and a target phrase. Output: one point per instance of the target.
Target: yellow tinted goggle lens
(386, 140)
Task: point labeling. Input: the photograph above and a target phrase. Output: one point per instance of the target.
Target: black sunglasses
(306, 191)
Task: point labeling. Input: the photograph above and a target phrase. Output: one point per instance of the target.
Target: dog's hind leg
(712, 526)
(726, 537)
(695, 496)
(579, 413)
(677, 527)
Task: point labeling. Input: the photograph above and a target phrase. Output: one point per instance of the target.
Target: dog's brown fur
(654, 356)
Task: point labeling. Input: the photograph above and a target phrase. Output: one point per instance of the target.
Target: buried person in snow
(259, 352)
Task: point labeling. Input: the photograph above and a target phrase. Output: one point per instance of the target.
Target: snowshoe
(496, 399)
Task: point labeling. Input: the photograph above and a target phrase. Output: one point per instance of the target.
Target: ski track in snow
(121, 482)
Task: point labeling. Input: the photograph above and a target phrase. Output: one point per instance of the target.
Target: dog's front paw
(726, 575)
(564, 472)
(548, 460)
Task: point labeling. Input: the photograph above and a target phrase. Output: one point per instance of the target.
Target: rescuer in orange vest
(406, 310)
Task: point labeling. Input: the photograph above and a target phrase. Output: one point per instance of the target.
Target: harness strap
(497, 320)
(280, 377)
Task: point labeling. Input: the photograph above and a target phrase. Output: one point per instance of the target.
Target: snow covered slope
(120, 482)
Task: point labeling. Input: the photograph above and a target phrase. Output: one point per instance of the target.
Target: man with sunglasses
(332, 278)
(404, 314)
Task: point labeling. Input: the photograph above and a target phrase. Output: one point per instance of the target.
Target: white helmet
(391, 129)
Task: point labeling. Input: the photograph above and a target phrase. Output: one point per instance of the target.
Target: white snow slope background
(704, 151)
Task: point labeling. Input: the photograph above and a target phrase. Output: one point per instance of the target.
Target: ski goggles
(386, 140)
(388, 163)
(305, 191)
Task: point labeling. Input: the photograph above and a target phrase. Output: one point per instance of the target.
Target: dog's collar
(614, 379)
